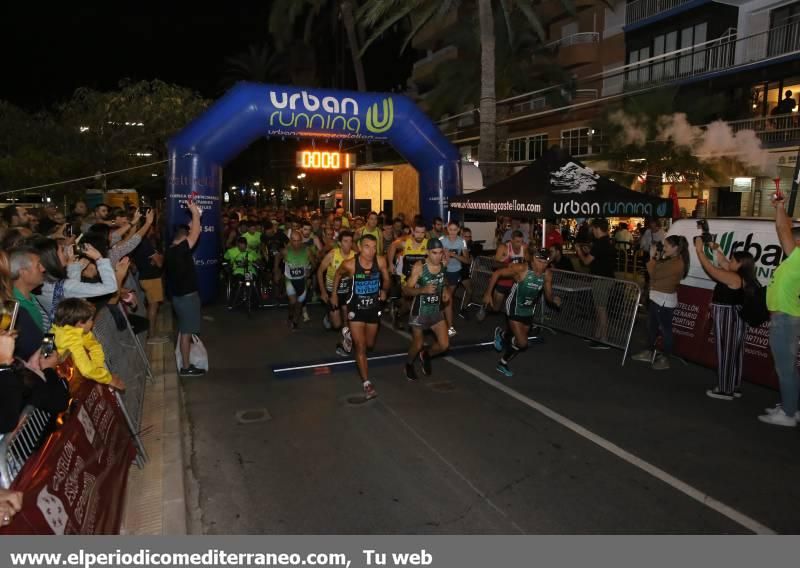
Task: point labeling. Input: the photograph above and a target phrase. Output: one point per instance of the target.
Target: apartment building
(747, 50)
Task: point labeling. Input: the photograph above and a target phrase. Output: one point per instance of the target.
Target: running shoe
(779, 419)
(306, 317)
(451, 332)
(718, 394)
(481, 313)
(643, 356)
(326, 322)
(191, 371)
(347, 339)
(661, 363)
(369, 390)
(498, 339)
(778, 408)
(503, 368)
(341, 352)
(425, 358)
(411, 373)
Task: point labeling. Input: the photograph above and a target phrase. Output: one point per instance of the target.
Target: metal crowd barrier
(583, 297)
(126, 357)
(480, 274)
(20, 444)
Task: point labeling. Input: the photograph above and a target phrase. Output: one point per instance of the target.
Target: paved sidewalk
(155, 501)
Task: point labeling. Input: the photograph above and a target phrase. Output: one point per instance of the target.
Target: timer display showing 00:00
(324, 160)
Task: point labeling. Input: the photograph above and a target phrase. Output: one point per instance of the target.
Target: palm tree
(259, 64)
(381, 15)
(286, 13)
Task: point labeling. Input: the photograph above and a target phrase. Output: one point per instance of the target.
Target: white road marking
(703, 498)
(692, 492)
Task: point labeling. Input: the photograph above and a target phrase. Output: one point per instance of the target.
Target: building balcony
(576, 49)
(720, 56)
(773, 131)
(643, 12)
(424, 70)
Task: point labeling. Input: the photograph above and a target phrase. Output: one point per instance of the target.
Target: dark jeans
(659, 316)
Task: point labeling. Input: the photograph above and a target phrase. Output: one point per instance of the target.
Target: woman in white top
(62, 277)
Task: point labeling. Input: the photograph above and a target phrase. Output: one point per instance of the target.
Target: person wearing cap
(427, 286)
(529, 280)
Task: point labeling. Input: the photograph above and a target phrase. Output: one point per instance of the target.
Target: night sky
(50, 50)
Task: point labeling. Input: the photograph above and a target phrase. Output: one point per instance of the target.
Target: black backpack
(754, 309)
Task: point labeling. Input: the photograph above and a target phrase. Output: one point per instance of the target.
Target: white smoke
(676, 127)
(717, 140)
(634, 129)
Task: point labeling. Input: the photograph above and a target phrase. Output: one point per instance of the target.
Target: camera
(48, 345)
(68, 230)
(706, 235)
(144, 210)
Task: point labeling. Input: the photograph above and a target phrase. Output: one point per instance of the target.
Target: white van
(691, 323)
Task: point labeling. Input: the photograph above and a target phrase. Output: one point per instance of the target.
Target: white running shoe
(306, 317)
(452, 332)
(778, 408)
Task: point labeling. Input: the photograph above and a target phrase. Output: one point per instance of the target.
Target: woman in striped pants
(732, 276)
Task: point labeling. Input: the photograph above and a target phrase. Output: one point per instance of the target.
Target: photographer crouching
(668, 265)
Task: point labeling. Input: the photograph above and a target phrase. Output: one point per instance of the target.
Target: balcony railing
(574, 39)
(772, 130)
(642, 9)
(719, 54)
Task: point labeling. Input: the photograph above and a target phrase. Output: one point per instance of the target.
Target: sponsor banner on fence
(75, 483)
(693, 332)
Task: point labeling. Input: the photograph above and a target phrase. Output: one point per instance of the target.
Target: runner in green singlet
(297, 260)
(529, 280)
(427, 286)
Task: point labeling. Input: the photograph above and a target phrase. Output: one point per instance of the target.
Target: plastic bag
(198, 356)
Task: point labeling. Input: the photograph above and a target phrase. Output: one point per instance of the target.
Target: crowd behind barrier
(32, 443)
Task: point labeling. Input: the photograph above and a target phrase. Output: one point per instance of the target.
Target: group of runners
(418, 269)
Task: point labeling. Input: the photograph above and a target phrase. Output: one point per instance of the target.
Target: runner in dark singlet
(427, 286)
(528, 282)
(370, 285)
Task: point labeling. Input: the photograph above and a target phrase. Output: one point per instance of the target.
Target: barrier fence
(593, 307)
(125, 356)
(587, 302)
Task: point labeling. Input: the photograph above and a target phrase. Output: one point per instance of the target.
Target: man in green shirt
(243, 261)
(27, 274)
(253, 237)
(783, 301)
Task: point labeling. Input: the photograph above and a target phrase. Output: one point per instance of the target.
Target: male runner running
(325, 275)
(404, 254)
(370, 284)
(529, 279)
(512, 252)
(297, 260)
(427, 285)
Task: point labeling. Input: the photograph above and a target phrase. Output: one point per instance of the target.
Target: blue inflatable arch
(250, 111)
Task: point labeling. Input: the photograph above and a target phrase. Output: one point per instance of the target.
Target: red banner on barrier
(693, 332)
(75, 484)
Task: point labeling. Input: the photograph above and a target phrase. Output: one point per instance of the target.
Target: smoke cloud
(715, 141)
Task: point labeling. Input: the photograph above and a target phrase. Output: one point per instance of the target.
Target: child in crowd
(72, 327)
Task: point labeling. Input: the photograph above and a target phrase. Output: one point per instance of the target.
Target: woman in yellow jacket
(72, 327)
